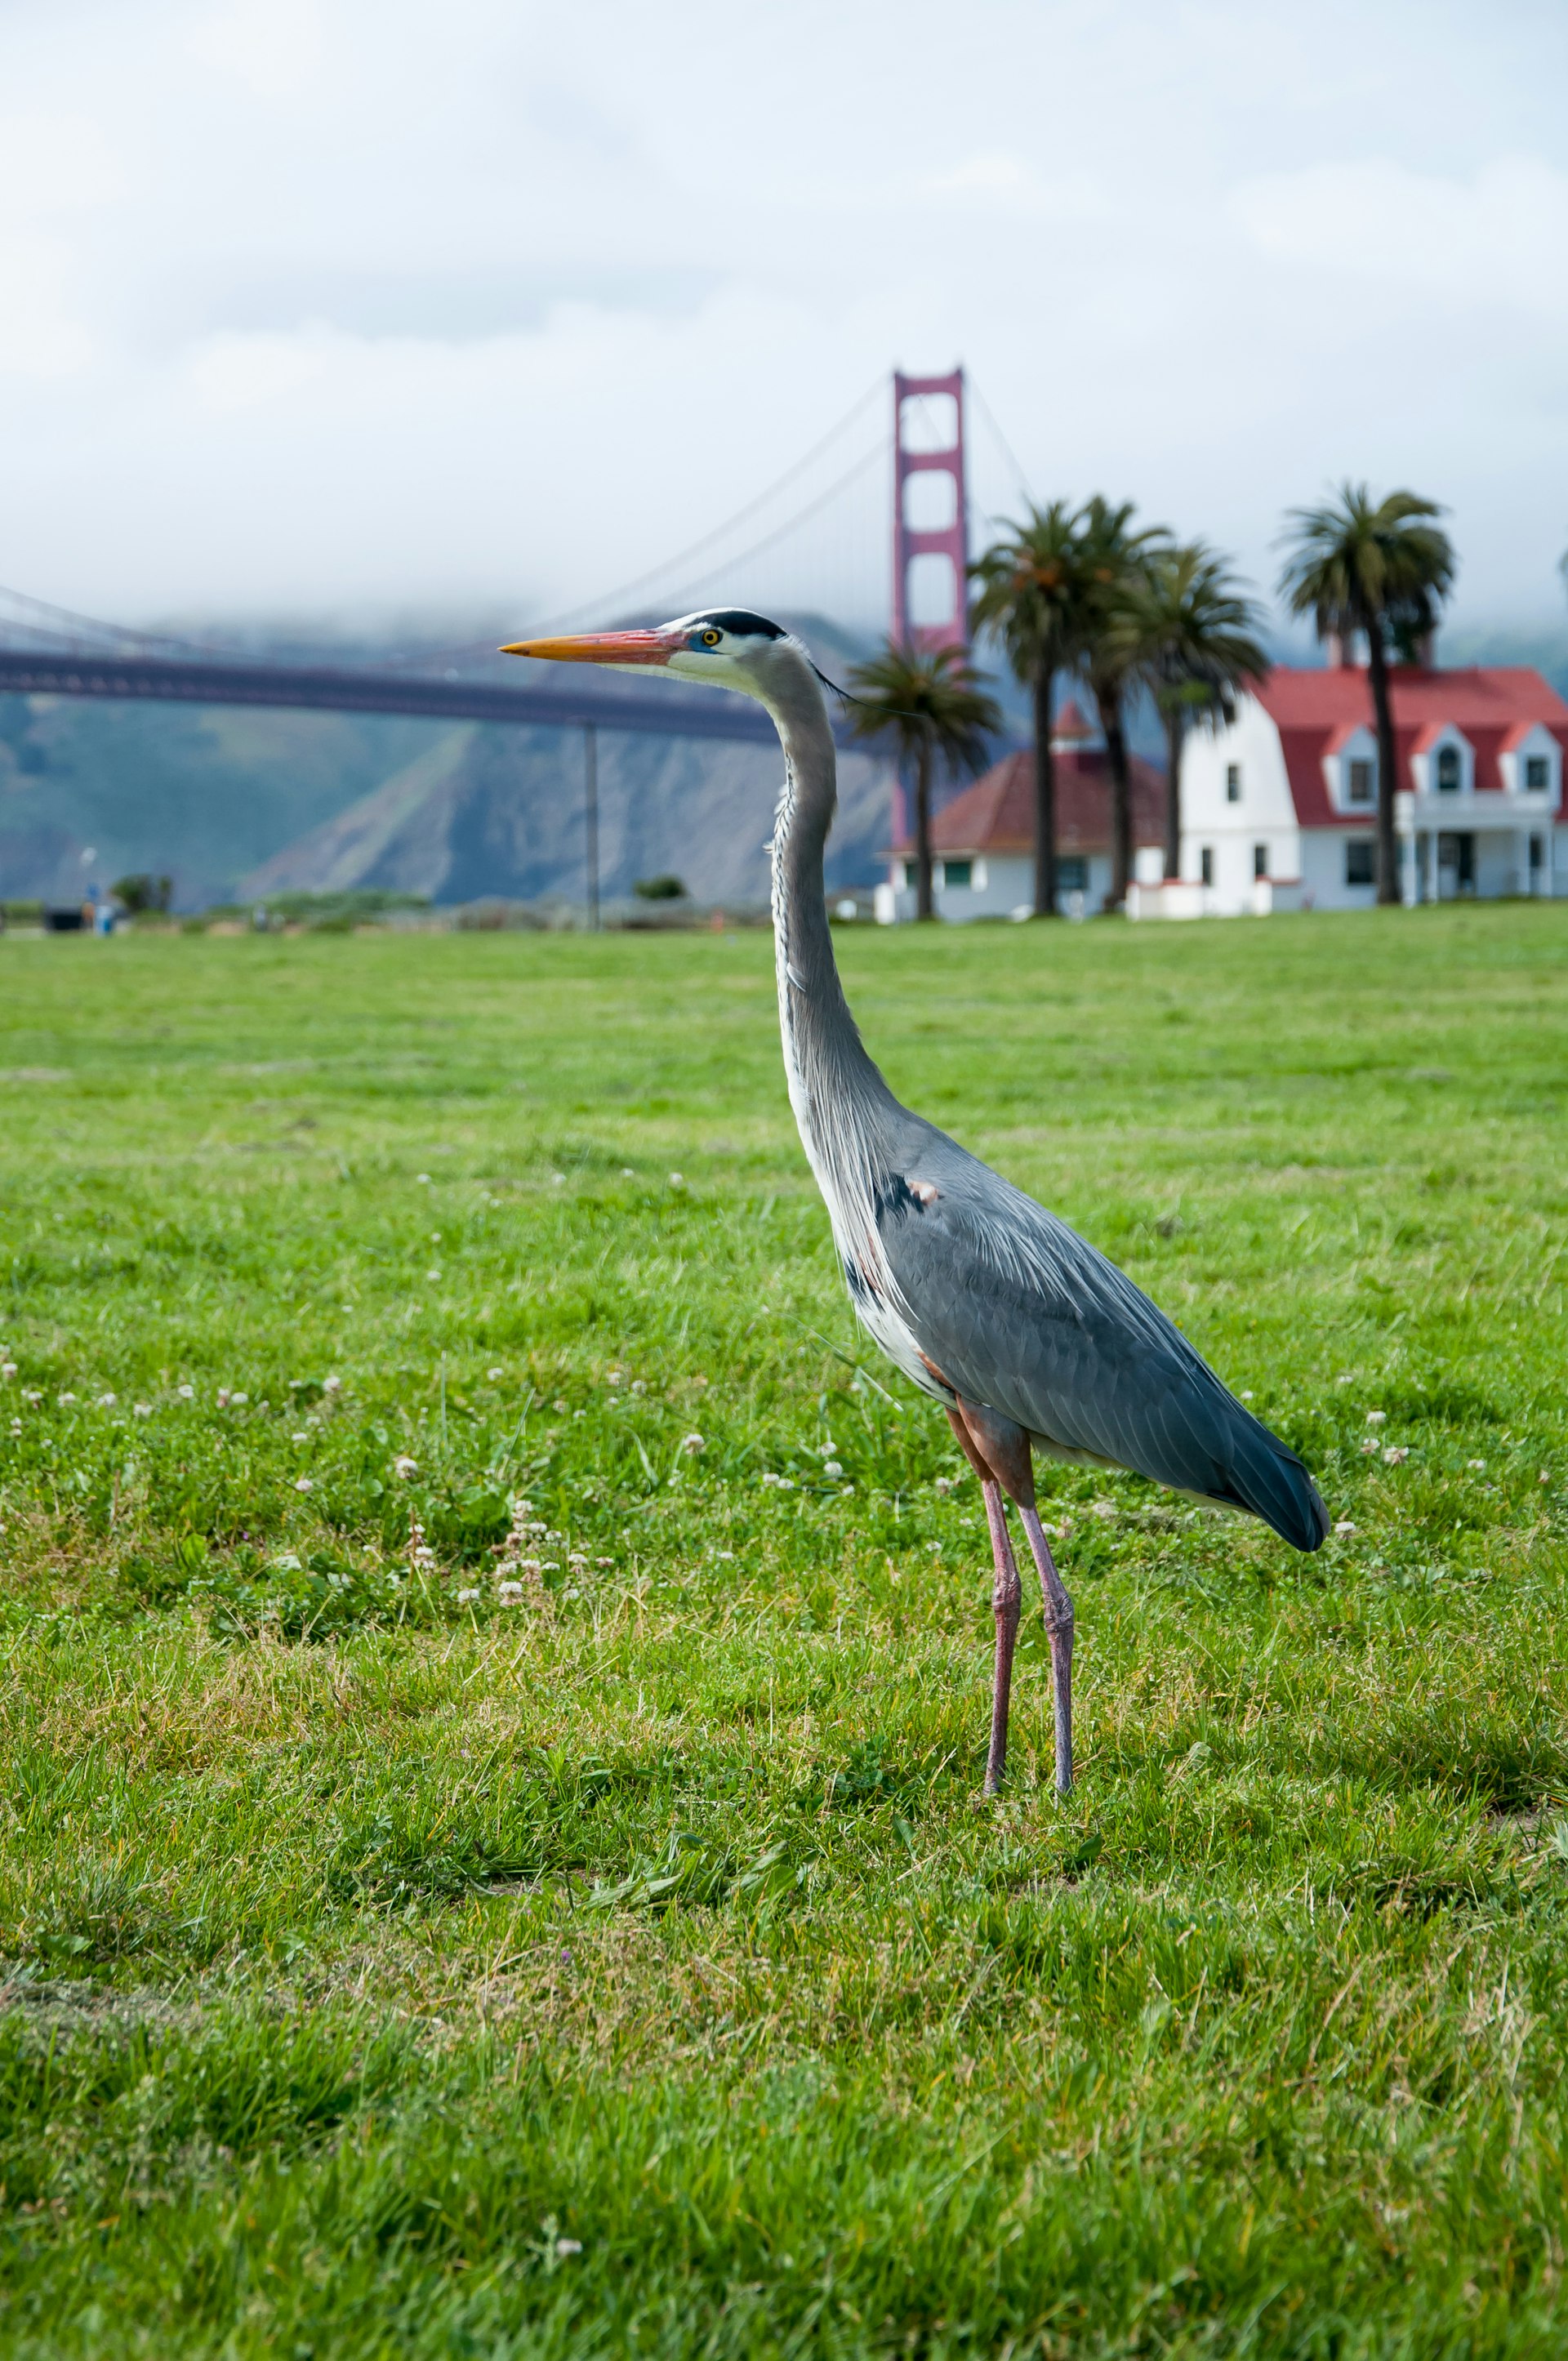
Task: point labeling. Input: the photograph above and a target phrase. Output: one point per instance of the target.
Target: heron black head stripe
(747, 626)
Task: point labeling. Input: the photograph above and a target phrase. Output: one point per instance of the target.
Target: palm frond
(933, 699)
(1185, 626)
(1357, 563)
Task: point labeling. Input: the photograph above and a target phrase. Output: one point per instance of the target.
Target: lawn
(423, 1943)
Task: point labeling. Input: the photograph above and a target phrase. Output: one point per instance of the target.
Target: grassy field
(418, 1943)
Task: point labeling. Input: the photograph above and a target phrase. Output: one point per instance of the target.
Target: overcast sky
(316, 305)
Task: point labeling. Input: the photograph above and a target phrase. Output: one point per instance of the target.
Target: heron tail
(1268, 1477)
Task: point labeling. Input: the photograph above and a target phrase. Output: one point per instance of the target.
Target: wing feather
(1024, 1316)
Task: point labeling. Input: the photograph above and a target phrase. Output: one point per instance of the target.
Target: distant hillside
(202, 793)
(1545, 648)
(501, 812)
(225, 799)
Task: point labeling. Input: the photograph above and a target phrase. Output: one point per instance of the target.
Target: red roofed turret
(1070, 727)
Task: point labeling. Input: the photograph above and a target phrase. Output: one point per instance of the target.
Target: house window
(1536, 855)
(957, 872)
(1206, 864)
(1361, 861)
(1072, 875)
(1260, 861)
(1361, 783)
(1536, 773)
(1448, 770)
(1233, 783)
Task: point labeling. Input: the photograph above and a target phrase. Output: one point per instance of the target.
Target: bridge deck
(348, 689)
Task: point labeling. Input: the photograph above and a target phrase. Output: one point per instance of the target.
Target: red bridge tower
(930, 540)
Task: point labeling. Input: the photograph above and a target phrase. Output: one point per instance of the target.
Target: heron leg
(1059, 1630)
(1001, 1450)
(1006, 1605)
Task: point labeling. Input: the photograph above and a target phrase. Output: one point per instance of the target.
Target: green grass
(631, 1966)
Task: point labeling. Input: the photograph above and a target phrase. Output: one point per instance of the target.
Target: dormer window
(1442, 762)
(1360, 787)
(1537, 775)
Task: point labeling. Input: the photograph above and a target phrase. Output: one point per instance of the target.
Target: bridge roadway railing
(586, 703)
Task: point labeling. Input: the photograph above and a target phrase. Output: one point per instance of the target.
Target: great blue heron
(1024, 1333)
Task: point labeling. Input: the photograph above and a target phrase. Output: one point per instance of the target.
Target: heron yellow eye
(711, 639)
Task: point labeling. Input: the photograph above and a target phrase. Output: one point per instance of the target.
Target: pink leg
(1007, 1603)
(1059, 1629)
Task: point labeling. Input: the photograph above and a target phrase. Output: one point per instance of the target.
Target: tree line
(1088, 594)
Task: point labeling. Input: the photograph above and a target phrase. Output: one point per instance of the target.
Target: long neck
(824, 1058)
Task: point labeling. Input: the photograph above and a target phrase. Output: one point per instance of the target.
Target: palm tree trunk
(924, 899)
(1110, 705)
(1387, 850)
(1175, 730)
(1045, 799)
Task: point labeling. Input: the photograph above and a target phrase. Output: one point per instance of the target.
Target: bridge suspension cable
(87, 632)
(27, 622)
(612, 602)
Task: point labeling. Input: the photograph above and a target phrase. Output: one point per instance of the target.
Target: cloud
(273, 49)
(1500, 236)
(1008, 186)
(318, 302)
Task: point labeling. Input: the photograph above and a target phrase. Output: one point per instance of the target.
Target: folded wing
(1021, 1314)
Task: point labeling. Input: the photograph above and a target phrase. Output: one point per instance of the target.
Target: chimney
(1340, 657)
(1425, 655)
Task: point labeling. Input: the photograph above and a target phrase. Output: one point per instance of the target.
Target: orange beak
(604, 647)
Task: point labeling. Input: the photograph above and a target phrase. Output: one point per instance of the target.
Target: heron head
(728, 647)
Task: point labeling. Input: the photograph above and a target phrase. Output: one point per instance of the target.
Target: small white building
(983, 841)
(1279, 810)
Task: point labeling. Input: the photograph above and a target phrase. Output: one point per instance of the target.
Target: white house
(984, 839)
(1279, 810)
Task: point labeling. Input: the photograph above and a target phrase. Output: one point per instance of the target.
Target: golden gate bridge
(914, 463)
(46, 650)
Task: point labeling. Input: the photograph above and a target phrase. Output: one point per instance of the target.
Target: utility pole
(591, 820)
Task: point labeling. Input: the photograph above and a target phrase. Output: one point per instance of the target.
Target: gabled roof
(1427, 736)
(1492, 706)
(997, 814)
(1514, 739)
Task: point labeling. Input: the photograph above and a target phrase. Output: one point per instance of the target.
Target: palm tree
(1115, 561)
(1191, 634)
(930, 703)
(1030, 600)
(1379, 567)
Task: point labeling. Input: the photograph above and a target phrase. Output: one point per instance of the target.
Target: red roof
(997, 814)
(1494, 707)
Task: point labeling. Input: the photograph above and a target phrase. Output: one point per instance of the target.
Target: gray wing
(1020, 1314)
